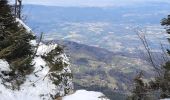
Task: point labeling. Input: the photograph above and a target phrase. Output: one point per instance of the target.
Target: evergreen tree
(163, 82)
(140, 90)
(15, 47)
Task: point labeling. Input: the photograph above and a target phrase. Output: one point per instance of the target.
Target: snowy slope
(38, 86)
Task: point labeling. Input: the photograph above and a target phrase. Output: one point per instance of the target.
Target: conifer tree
(163, 82)
(15, 47)
(140, 90)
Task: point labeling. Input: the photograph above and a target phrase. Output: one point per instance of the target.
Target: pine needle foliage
(15, 47)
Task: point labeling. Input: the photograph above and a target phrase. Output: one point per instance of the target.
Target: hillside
(98, 69)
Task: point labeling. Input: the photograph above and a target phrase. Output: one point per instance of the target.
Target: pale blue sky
(94, 3)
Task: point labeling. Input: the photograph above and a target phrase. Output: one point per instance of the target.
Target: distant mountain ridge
(108, 28)
(91, 14)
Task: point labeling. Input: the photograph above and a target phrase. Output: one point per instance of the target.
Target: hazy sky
(95, 3)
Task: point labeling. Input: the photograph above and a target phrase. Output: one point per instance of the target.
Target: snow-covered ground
(38, 86)
(85, 95)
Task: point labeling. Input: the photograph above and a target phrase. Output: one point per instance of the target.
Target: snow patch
(33, 43)
(45, 49)
(21, 23)
(85, 95)
(34, 86)
(4, 66)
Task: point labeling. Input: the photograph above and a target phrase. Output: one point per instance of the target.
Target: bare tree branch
(144, 41)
